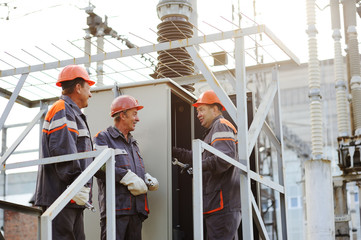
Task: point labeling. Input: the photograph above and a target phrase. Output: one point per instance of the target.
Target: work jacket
(221, 180)
(65, 131)
(127, 156)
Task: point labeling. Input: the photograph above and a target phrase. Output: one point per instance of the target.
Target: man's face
(206, 115)
(84, 95)
(130, 119)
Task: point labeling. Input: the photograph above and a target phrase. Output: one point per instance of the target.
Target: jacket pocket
(121, 158)
(212, 202)
(124, 202)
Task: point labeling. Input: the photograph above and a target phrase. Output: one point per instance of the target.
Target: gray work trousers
(128, 227)
(223, 226)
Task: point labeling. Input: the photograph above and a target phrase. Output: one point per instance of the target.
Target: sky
(40, 22)
(26, 24)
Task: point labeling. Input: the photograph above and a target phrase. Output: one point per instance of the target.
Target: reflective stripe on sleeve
(83, 133)
(222, 135)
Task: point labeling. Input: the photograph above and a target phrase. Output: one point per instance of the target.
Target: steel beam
(12, 99)
(197, 190)
(213, 82)
(261, 115)
(270, 134)
(279, 135)
(242, 124)
(152, 48)
(110, 195)
(281, 45)
(258, 220)
(49, 160)
(70, 192)
(255, 176)
(21, 137)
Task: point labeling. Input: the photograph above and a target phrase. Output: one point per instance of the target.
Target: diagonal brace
(213, 82)
(261, 115)
(12, 99)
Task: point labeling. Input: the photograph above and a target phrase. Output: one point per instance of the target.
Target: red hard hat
(208, 97)
(122, 103)
(71, 72)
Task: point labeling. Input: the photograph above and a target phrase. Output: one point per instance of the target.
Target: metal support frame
(101, 157)
(12, 99)
(246, 142)
(106, 156)
(154, 48)
(246, 139)
(22, 136)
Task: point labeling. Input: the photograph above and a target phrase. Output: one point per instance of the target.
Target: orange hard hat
(123, 103)
(208, 97)
(71, 72)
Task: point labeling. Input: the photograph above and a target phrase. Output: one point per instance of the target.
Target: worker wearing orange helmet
(132, 181)
(221, 180)
(65, 131)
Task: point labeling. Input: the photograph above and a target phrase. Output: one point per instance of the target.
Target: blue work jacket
(65, 131)
(221, 180)
(127, 156)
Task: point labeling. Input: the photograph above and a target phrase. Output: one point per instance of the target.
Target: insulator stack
(174, 26)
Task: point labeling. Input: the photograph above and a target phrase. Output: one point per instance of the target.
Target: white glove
(82, 196)
(151, 182)
(135, 184)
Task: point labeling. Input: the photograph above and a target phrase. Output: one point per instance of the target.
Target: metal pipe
(343, 123)
(320, 212)
(100, 71)
(87, 49)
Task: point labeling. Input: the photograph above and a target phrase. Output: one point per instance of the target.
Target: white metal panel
(153, 133)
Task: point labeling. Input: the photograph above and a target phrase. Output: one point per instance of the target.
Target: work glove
(82, 196)
(151, 182)
(182, 154)
(135, 184)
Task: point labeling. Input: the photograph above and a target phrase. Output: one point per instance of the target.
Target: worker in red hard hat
(221, 180)
(65, 131)
(132, 181)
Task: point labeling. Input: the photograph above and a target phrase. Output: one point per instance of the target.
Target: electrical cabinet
(167, 119)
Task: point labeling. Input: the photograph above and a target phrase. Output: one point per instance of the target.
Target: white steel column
(242, 124)
(197, 190)
(110, 195)
(319, 197)
(281, 196)
(100, 71)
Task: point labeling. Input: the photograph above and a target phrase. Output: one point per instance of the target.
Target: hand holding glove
(82, 196)
(135, 184)
(151, 182)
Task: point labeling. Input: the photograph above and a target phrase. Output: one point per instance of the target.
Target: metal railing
(198, 147)
(101, 157)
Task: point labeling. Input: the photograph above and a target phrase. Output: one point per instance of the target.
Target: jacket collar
(69, 101)
(210, 127)
(115, 133)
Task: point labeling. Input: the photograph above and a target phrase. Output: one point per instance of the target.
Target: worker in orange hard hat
(221, 180)
(132, 181)
(65, 131)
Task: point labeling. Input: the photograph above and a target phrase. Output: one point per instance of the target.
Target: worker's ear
(77, 88)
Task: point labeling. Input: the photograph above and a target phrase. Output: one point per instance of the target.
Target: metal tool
(90, 207)
(183, 166)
